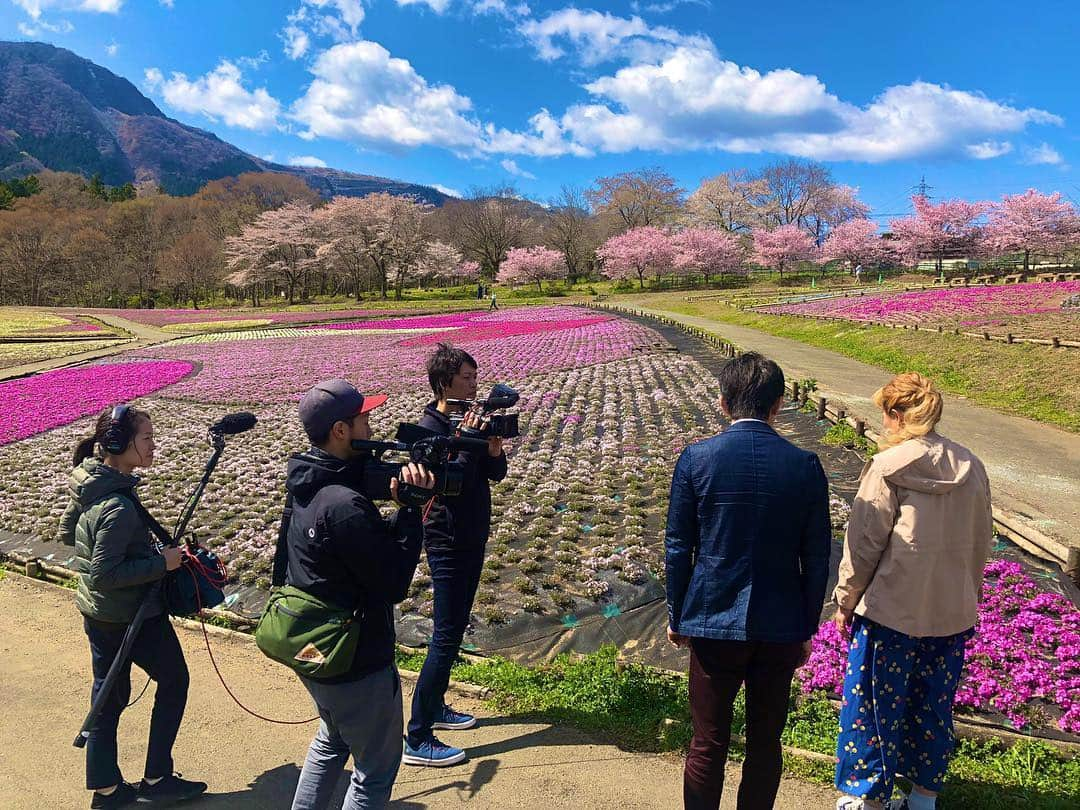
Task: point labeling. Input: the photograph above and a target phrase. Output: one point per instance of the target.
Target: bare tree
(797, 189)
(571, 230)
(489, 224)
(735, 201)
(635, 199)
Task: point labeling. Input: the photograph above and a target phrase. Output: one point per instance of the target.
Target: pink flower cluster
(1025, 653)
(944, 306)
(281, 369)
(166, 317)
(35, 404)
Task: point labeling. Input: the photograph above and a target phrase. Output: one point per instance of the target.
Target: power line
(922, 188)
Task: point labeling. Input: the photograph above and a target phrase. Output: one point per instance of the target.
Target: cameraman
(341, 550)
(455, 532)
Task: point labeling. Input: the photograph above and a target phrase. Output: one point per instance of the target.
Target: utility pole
(922, 189)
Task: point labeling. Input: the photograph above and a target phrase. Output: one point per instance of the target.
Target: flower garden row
(952, 307)
(605, 412)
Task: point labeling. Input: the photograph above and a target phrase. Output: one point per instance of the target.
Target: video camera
(423, 446)
(504, 426)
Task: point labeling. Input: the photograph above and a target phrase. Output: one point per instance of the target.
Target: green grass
(1022, 379)
(643, 709)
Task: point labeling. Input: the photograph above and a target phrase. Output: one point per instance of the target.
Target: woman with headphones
(117, 561)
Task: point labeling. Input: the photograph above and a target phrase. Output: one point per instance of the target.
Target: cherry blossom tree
(636, 252)
(781, 247)
(735, 201)
(949, 228)
(444, 261)
(856, 241)
(531, 264)
(706, 251)
(1033, 224)
(279, 245)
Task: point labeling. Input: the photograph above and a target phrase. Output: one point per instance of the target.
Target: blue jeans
(157, 652)
(361, 717)
(896, 714)
(455, 575)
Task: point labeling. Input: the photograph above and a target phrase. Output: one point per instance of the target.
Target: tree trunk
(1027, 255)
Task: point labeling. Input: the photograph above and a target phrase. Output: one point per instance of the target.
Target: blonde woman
(907, 594)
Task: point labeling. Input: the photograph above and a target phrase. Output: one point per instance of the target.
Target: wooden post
(794, 391)
(841, 414)
(860, 427)
(1055, 342)
(1072, 565)
(804, 395)
(33, 569)
(1009, 337)
(821, 408)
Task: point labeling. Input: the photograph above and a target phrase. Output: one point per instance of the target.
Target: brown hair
(913, 396)
(85, 448)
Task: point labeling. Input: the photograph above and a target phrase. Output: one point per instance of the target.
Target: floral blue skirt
(896, 715)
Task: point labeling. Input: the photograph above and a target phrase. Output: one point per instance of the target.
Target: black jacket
(344, 552)
(462, 521)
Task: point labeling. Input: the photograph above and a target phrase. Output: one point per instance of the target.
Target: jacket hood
(93, 480)
(309, 472)
(931, 464)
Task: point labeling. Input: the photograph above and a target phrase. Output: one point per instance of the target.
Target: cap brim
(371, 402)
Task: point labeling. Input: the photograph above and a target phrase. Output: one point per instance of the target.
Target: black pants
(717, 670)
(157, 652)
(455, 575)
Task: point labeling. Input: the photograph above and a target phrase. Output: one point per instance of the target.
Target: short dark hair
(445, 362)
(323, 436)
(750, 385)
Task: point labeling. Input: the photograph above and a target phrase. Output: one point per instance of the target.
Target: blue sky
(977, 96)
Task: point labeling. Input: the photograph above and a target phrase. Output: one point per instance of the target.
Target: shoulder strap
(281, 551)
(151, 522)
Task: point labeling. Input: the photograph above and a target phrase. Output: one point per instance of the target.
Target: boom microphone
(234, 423)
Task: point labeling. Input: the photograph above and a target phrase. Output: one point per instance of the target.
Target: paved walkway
(141, 335)
(252, 765)
(1034, 468)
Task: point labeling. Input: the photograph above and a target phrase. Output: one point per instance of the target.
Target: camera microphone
(234, 423)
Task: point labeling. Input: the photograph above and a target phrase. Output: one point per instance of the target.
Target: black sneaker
(170, 789)
(121, 797)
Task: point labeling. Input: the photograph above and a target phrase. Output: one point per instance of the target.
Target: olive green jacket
(114, 554)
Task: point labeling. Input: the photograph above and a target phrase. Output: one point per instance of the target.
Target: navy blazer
(748, 538)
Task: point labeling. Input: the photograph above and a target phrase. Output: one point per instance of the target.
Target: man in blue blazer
(748, 539)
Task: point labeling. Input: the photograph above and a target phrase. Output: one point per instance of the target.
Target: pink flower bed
(947, 305)
(166, 317)
(35, 404)
(478, 330)
(280, 370)
(75, 326)
(458, 320)
(1025, 654)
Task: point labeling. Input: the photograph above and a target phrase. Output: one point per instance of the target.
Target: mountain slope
(60, 111)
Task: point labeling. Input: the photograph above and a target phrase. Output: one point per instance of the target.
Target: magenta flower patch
(35, 404)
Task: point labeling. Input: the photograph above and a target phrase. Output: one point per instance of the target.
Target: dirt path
(1034, 468)
(45, 672)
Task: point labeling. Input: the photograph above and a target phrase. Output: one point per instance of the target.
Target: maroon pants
(717, 670)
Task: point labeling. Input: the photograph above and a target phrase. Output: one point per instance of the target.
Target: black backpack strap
(281, 551)
(151, 522)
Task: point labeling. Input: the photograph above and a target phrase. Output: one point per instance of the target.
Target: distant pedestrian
(858, 273)
(494, 304)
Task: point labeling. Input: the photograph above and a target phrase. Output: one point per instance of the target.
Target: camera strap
(151, 522)
(281, 550)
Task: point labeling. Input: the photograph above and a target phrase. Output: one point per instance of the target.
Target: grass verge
(1022, 379)
(643, 709)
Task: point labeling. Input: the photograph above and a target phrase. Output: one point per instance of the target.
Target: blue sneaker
(432, 753)
(453, 721)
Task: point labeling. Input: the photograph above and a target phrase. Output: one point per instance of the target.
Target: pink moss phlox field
(1025, 653)
(35, 404)
(167, 317)
(280, 370)
(74, 326)
(947, 305)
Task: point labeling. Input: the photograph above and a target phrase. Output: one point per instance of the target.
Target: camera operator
(455, 533)
(342, 551)
(117, 563)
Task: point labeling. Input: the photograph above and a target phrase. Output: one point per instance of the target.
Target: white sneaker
(849, 803)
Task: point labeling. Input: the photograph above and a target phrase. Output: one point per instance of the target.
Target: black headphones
(118, 434)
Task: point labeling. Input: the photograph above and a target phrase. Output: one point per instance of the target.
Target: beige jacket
(918, 537)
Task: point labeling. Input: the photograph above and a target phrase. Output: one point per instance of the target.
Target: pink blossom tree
(637, 252)
(781, 247)
(1033, 224)
(706, 251)
(529, 264)
(856, 241)
(443, 261)
(279, 245)
(950, 228)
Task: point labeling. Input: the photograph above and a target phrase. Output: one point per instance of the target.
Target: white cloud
(254, 62)
(112, 48)
(269, 156)
(1043, 154)
(988, 149)
(296, 41)
(363, 94)
(35, 7)
(166, 3)
(449, 192)
(309, 161)
(338, 20)
(597, 37)
(219, 94)
(40, 25)
(512, 167)
(501, 7)
(438, 6)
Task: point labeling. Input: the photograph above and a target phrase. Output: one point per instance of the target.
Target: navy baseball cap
(333, 401)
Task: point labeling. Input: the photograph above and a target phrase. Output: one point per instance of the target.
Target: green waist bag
(304, 633)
